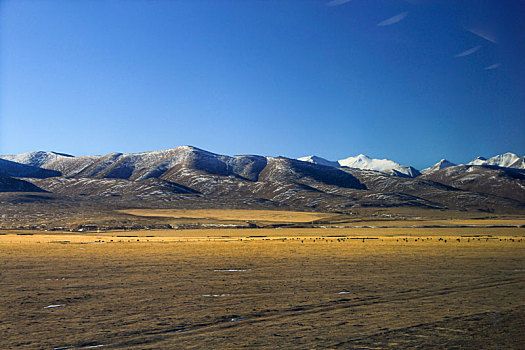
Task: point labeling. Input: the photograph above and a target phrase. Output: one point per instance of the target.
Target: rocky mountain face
(10, 168)
(10, 184)
(308, 183)
(497, 181)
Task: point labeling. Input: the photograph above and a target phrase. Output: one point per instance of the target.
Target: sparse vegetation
(265, 288)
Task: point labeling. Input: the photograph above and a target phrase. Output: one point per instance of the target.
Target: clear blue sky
(412, 81)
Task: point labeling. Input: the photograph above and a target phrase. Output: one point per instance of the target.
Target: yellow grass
(267, 288)
(230, 214)
(225, 293)
(275, 216)
(442, 222)
(259, 234)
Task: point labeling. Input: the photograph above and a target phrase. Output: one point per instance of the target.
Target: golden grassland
(441, 222)
(430, 228)
(230, 214)
(276, 216)
(309, 288)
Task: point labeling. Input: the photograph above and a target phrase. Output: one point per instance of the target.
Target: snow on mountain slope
(109, 187)
(292, 170)
(518, 164)
(478, 161)
(363, 162)
(306, 183)
(497, 181)
(502, 160)
(442, 164)
(248, 166)
(383, 165)
(159, 164)
(71, 166)
(156, 164)
(66, 164)
(318, 160)
(37, 159)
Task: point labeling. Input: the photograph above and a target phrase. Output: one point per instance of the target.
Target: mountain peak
(383, 165)
(362, 161)
(442, 164)
(318, 160)
(506, 160)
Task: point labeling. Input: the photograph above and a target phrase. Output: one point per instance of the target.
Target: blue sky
(412, 81)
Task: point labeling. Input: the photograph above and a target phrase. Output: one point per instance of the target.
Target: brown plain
(310, 288)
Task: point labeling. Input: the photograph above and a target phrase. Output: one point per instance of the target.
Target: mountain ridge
(46, 159)
(191, 172)
(506, 160)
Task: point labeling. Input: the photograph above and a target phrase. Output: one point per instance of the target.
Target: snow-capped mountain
(442, 164)
(383, 165)
(193, 174)
(364, 162)
(318, 160)
(65, 164)
(478, 161)
(38, 158)
(499, 181)
(507, 160)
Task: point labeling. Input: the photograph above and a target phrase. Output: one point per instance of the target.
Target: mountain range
(311, 183)
(507, 160)
(364, 162)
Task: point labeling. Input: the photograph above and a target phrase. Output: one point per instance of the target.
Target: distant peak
(318, 160)
(387, 166)
(442, 164)
(502, 160)
(445, 161)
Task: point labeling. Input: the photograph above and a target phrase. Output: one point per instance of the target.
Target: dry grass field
(230, 215)
(460, 288)
(265, 217)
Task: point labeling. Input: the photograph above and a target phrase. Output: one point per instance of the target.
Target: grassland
(377, 287)
(270, 218)
(230, 214)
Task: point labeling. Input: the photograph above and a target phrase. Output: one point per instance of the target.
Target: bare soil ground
(352, 288)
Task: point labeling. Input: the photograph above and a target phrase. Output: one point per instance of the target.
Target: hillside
(189, 177)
